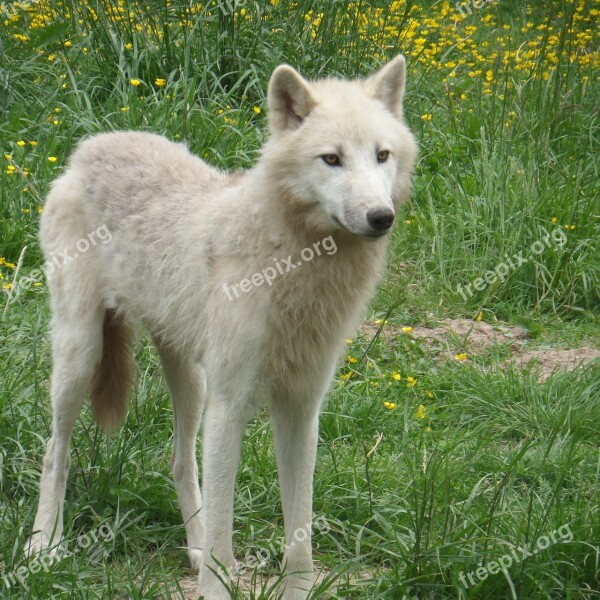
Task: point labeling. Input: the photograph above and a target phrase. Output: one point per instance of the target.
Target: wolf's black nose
(380, 219)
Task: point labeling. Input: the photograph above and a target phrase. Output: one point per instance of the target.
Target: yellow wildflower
(461, 357)
(396, 376)
(411, 382)
(20, 143)
(52, 159)
(389, 405)
(352, 360)
(407, 329)
(420, 414)
(135, 82)
(159, 82)
(256, 109)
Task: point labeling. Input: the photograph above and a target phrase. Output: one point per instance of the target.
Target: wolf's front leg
(223, 432)
(295, 427)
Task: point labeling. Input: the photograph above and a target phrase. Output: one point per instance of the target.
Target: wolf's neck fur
(315, 307)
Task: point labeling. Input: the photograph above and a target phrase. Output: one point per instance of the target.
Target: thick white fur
(180, 231)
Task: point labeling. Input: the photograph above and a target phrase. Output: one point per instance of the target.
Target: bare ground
(191, 590)
(452, 336)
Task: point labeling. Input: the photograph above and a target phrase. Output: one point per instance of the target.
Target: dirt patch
(452, 336)
(547, 361)
(471, 334)
(191, 589)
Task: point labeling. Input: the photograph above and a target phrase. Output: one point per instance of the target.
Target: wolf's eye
(333, 160)
(383, 155)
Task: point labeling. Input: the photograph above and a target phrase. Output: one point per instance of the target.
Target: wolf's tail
(113, 378)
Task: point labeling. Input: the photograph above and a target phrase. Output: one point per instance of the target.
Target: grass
(468, 465)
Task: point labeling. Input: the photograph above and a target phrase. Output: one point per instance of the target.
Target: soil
(191, 590)
(454, 336)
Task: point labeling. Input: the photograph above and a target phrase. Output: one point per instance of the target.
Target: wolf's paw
(196, 556)
(215, 591)
(36, 544)
(294, 594)
(297, 587)
(213, 582)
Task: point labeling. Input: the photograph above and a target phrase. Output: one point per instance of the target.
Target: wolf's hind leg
(77, 349)
(187, 387)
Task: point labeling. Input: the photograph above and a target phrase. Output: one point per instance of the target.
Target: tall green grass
(499, 459)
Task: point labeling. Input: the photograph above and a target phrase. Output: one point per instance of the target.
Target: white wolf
(337, 165)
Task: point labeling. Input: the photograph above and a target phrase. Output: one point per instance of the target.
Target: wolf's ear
(388, 84)
(291, 99)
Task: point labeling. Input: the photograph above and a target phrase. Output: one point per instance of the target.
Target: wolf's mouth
(372, 236)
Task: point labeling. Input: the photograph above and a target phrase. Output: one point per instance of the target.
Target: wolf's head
(341, 148)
